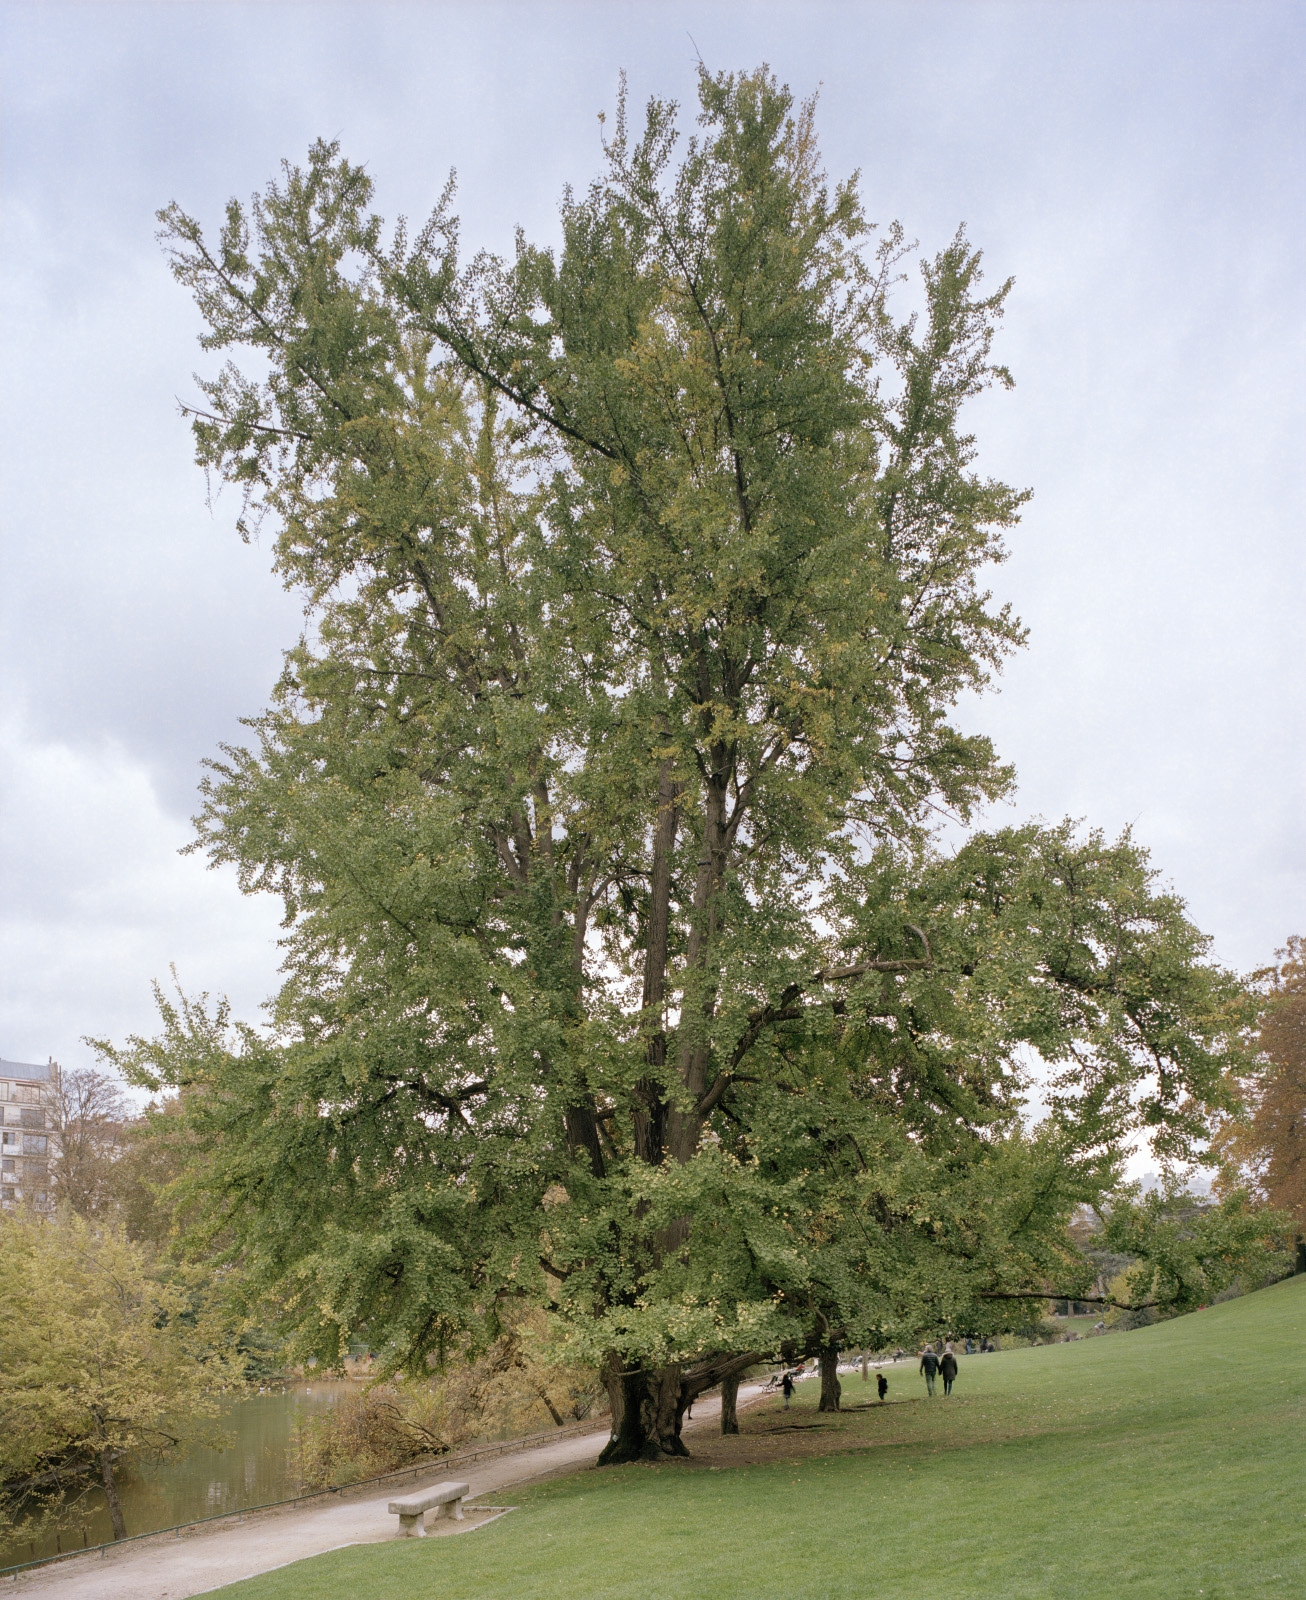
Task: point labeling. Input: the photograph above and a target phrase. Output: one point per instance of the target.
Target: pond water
(259, 1466)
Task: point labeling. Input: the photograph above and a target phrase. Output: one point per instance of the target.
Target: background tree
(90, 1113)
(103, 1365)
(1268, 1146)
(113, 1159)
(620, 972)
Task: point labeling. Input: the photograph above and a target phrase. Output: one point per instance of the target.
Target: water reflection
(259, 1466)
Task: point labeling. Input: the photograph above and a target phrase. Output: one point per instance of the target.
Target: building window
(34, 1144)
(33, 1119)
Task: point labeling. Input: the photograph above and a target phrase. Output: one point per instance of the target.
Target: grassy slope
(1167, 1462)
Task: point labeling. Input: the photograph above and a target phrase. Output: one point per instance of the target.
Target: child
(882, 1384)
(788, 1386)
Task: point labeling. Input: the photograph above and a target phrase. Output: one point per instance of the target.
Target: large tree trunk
(830, 1386)
(111, 1494)
(729, 1400)
(650, 1097)
(647, 1406)
(699, 994)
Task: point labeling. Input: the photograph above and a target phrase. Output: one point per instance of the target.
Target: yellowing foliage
(103, 1362)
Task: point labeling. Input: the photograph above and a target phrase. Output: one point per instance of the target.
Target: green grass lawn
(1167, 1462)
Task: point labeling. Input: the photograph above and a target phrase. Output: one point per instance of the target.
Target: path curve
(172, 1568)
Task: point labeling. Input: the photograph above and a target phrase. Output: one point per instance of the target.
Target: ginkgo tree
(621, 971)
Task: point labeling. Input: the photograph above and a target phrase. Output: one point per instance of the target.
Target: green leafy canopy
(621, 971)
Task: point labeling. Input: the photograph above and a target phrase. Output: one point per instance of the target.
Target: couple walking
(944, 1366)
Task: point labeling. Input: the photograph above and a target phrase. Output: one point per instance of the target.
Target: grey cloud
(1137, 169)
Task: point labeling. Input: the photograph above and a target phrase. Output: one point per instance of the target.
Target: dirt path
(172, 1568)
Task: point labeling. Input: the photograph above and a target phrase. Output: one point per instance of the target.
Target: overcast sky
(1138, 169)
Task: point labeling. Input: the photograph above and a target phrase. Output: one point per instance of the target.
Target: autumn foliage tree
(515, 1387)
(621, 973)
(1268, 1145)
(105, 1364)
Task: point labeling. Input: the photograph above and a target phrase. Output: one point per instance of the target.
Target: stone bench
(445, 1498)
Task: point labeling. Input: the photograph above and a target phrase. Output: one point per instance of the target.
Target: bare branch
(258, 427)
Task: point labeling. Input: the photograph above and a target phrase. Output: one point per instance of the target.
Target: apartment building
(26, 1134)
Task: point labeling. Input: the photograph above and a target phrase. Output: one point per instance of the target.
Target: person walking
(930, 1367)
(882, 1384)
(787, 1384)
(948, 1369)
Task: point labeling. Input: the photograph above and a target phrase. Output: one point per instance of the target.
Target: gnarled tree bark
(647, 1408)
(830, 1386)
(729, 1401)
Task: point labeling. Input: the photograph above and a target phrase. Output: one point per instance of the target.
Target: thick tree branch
(785, 1010)
(1066, 1294)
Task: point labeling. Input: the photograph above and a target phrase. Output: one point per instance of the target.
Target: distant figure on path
(787, 1384)
(930, 1367)
(882, 1384)
(948, 1369)
(970, 1346)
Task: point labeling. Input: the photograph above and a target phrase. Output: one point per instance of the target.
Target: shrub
(514, 1388)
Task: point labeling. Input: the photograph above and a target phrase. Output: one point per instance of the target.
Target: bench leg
(412, 1527)
(450, 1508)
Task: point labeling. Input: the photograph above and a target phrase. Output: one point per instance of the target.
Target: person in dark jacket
(948, 1369)
(787, 1384)
(930, 1367)
(882, 1384)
